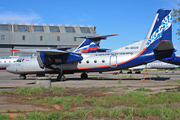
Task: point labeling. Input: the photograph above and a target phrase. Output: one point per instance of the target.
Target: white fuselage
(90, 62)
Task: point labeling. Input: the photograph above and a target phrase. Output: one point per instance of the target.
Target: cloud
(16, 17)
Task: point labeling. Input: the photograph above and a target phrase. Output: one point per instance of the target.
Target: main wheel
(61, 78)
(129, 72)
(84, 76)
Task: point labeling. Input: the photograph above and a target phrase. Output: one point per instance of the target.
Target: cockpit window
(20, 60)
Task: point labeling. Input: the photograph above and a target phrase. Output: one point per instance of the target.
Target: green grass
(8, 111)
(167, 112)
(143, 89)
(168, 85)
(139, 99)
(104, 107)
(177, 81)
(6, 92)
(29, 90)
(125, 88)
(37, 90)
(4, 117)
(119, 81)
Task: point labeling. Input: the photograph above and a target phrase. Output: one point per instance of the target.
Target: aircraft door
(113, 61)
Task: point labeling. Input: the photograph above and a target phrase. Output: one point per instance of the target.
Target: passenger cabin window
(103, 61)
(95, 61)
(2, 37)
(70, 29)
(85, 30)
(4, 61)
(87, 61)
(0, 61)
(54, 29)
(4, 27)
(22, 28)
(9, 61)
(38, 28)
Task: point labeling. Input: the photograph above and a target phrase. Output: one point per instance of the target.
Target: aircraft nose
(10, 68)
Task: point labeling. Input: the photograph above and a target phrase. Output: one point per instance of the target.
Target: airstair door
(113, 61)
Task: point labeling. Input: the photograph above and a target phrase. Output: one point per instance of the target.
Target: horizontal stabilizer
(98, 37)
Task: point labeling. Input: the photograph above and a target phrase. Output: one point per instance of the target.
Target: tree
(176, 16)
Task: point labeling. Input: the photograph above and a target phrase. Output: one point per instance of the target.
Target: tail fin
(160, 31)
(159, 37)
(91, 44)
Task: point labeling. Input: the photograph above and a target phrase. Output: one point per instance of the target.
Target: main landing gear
(61, 76)
(138, 72)
(84, 75)
(129, 72)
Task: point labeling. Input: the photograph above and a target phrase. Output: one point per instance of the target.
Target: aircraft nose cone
(10, 68)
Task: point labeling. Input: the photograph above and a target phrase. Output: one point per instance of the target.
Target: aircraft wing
(61, 48)
(49, 57)
(41, 50)
(53, 52)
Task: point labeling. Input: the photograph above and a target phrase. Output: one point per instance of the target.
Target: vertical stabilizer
(160, 29)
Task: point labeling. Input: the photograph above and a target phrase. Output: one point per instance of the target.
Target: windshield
(20, 60)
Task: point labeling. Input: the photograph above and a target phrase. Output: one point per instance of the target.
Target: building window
(22, 28)
(41, 38)
(58, 38)
(2, 37)
(70, 29)
(23, 37)
(85, 30)
(54, 29)
(38, 28)
(74, 38)
(4, 27)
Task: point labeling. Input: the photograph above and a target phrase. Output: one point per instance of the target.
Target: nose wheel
(22, 77)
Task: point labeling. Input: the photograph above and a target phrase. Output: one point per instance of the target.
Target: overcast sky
(131, 19)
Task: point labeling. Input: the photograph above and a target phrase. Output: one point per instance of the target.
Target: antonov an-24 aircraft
(157, 45)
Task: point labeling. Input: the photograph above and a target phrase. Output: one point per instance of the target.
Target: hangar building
(20, 36)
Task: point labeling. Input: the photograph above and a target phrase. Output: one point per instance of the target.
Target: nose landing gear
(22, 76)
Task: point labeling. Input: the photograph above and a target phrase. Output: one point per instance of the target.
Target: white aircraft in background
(153, 65)
(157, 45)
(7, 60)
